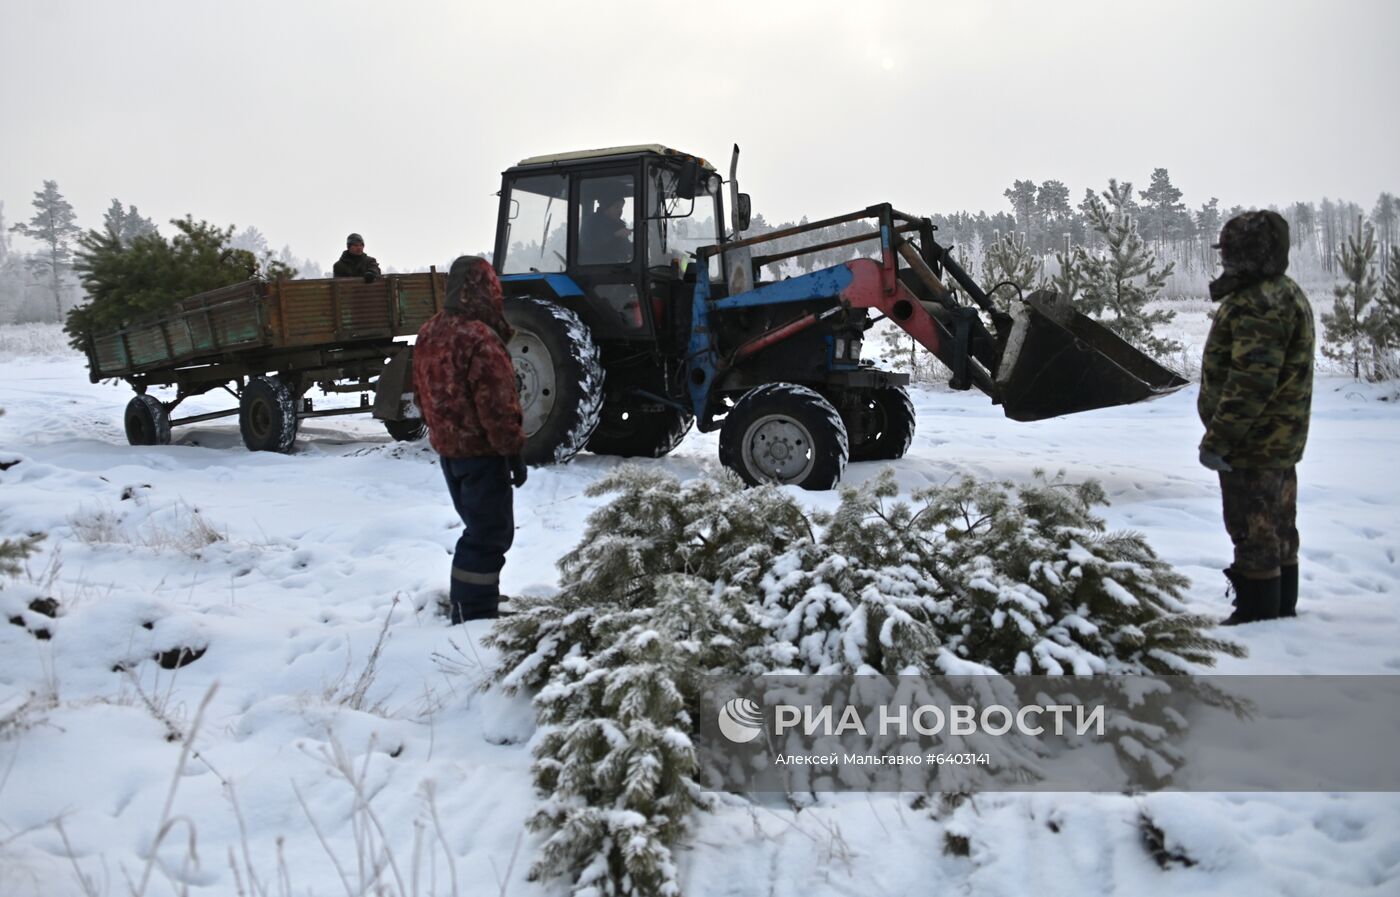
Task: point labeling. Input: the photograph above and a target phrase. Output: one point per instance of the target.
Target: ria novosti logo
(740, 720)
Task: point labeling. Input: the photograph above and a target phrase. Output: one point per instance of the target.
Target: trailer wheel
(147, 421)
(409, 429)
(887, 425)
(632, 433)
(267, 415)
(559, 374)
(786, 434)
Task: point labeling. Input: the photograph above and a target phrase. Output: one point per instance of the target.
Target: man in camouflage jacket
(1255, 401)
(464, 384)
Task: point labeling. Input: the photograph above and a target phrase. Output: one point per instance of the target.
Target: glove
(369, 277)
(518, 470)
(1211, 461)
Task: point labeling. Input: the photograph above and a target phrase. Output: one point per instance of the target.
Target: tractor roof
(634, 150)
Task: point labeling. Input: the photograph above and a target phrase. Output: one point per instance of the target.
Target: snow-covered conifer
(1118, 284)
(1350, 329)
(674, 582)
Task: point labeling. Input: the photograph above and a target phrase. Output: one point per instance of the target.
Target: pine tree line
(1043, 218)
(1118, 250)
(43, 285)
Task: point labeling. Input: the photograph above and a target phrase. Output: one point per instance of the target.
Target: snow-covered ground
(347, 724)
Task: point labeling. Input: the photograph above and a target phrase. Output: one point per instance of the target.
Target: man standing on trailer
(1255, 401)
(465, 386)
(354, 263)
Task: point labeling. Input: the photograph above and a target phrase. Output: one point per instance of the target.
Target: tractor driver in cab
(603, 235)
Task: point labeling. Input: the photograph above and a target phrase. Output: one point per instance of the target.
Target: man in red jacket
(465, 386)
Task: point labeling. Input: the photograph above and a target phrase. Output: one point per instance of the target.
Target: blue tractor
(639, 314)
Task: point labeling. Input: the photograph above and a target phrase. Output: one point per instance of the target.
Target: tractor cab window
(605, 215)
(537, 226)
(680, 218)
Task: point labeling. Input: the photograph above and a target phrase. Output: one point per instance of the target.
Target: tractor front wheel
(786, 434)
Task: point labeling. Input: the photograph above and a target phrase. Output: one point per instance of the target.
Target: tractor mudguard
(394, 386)
(541, 286)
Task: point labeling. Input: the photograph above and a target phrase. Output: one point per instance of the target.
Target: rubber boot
(462, 615)
(1232, 591)
(473, 601)
(1255, 600)
(1288, 591)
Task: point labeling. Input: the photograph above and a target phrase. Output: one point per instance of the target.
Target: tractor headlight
(713, 183)
(839, 349)
(854, 350)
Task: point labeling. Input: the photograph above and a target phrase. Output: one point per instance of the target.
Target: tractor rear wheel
(786, 434)
(559, 375)
(633, 433)
(886, 425)
(267, 415)
(147, 421)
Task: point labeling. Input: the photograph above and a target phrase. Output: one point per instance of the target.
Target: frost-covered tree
(126, 224)
(1122, 280)
(1052, 202)
(1350, 329)
(1022, 196)
(4, 237)
(1010, 268)
(55, 225)
(1387, 314)
(252, 240)
(11, 287)
(1164, 208)
(1302, 221)
(1384, 216)
(1207, 219)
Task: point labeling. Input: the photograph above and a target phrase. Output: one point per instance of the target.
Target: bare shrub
(355, 695)
(183, 529)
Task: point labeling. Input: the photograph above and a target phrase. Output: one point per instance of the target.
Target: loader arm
(1044, 359)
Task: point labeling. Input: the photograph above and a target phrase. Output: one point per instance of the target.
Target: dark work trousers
(1261, 516)
(481, 492)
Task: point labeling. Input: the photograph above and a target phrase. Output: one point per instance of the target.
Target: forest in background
(1114, 252)
(40, 285)
(1046, 221)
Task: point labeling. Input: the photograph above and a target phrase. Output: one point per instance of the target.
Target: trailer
(267, 344)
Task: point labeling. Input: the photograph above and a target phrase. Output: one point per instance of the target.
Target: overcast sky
(311, 119)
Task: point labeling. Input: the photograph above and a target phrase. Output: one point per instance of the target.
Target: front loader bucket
(1059, 361)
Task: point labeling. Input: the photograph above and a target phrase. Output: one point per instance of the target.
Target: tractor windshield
(537, 228)
(678, 224)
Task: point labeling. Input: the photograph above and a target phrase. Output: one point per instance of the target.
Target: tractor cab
(610, 234)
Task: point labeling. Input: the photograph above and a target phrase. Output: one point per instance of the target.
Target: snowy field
(347, 723)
